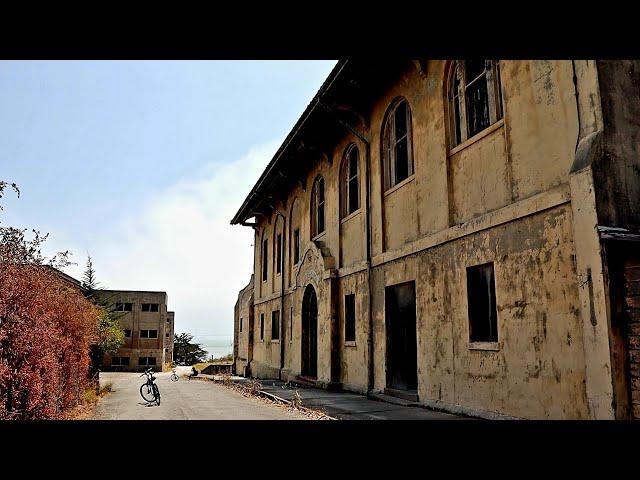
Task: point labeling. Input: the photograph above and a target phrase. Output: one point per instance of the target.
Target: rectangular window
(291, 325)
(401, 143)
(167, 335)
(150, 307)
(148, 333)
(240, 324)
(275, 325)
(146, 361)
(350, 318)
(481, 300)
(296, 246)
(278, 253)
(123, 307)
(120, 361)
(127, 333)
(262, 327)
(265, 260)
(320, 210)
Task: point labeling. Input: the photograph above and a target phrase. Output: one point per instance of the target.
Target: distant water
(218, 348)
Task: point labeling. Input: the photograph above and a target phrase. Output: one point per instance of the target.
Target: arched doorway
(309, 333)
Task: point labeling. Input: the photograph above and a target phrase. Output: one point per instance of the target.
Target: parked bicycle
(174, 375)
(149, 390)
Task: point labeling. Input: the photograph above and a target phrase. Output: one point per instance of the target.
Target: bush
(46, 327)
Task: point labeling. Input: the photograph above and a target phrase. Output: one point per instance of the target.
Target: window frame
(347, 177)
(350, 341)
(124, 307)
(148, 335)
(474, 303)
(261, 327)
(390, 144)
(457, 101)
(296, 246)
(275, 315)
(265, 258)
(318, 205)
(278, 253)
(149, 308)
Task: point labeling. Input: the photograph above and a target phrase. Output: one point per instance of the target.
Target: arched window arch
(474, 97)
(397, 151)
(349, 181)
(317, 207)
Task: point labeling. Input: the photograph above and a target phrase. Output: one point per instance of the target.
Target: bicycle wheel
(174, 377)
(156, 393)
(146, 392)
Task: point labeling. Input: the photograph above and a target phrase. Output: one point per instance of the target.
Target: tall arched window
(397, 151)
(317, 207)
(350, 187)
(475, 100)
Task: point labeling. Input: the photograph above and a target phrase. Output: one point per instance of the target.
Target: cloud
(179, 240)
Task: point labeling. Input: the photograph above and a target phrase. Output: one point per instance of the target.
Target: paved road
(182, 400)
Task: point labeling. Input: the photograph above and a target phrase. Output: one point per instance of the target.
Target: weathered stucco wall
(503, 196)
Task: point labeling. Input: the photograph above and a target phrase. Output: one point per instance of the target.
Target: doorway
(309, 333)
(402, 350)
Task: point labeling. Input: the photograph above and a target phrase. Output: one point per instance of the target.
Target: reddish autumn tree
(46, 328)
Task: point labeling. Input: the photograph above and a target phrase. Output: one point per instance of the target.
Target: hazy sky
(143, 164)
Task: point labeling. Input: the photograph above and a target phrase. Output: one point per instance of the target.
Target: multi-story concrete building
(463, 233)
(148, 327)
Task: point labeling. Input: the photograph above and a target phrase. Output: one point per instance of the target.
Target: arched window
(475, 100)
(350, 187)
(317, 207)
(397, 151)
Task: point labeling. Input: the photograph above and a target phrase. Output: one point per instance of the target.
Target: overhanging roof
(349, 88)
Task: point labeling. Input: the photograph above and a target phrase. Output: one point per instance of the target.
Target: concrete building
(148, 327)
(460, 233)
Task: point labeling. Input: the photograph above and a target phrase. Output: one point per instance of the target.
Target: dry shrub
(46, 327)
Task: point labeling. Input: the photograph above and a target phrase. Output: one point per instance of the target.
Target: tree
(185, 352)
(46, 327)
(110, 336)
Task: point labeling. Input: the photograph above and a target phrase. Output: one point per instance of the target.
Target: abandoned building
(148, 329)
(463, 234)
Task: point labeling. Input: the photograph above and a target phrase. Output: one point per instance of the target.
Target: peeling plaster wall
(504, 197)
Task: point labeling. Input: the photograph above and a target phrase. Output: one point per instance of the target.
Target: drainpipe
(367, 145)
(575, 87)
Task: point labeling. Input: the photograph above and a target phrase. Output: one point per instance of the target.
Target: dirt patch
(253, 391)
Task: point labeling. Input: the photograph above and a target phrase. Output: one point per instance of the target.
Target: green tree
(110, 334)
(185, 352)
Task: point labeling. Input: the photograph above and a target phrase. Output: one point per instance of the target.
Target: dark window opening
(240, 324)
(296, 246)
(279, 253)
(350, 318)
(265, 260)
(123, 307)
(397, 152)
(148, 333)
(146, 361)
(317, 226)
(150, 307)
(120, 361)
(127, 333)
(351, 187)
(475, 98)
(261, 326)
(291, 324)
(481, 299)
(275, 325)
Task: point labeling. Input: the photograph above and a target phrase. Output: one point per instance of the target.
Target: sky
(142, 164)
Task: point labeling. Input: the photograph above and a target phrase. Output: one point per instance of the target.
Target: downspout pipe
(367, 144)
